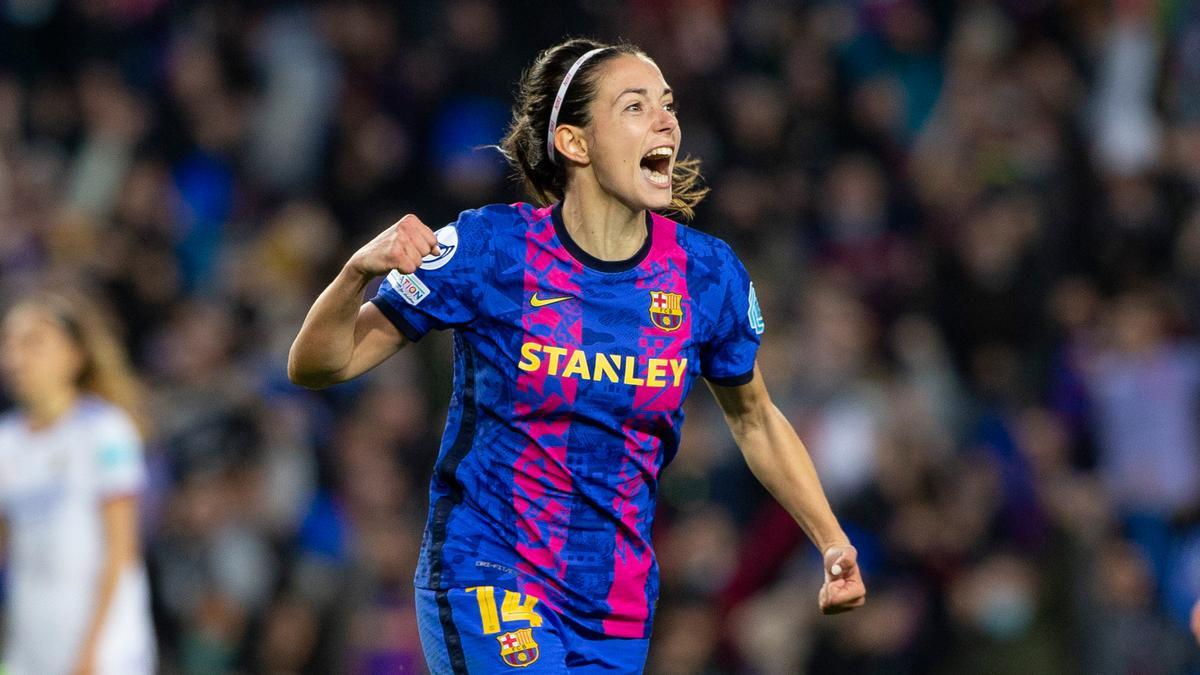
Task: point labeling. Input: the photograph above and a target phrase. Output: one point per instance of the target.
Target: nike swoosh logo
(542, 302)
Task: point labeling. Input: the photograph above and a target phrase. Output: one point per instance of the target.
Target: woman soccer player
(70, 471)
(579, 328)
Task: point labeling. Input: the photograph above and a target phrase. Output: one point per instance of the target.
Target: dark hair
(524, 145)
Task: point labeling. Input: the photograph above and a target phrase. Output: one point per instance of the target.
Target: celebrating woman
(580, 325)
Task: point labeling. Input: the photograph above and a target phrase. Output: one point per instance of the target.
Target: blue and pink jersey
(570, 375)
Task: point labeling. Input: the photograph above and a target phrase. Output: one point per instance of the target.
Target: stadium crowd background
(975, 232)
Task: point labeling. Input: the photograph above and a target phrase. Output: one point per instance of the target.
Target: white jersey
(53, 482)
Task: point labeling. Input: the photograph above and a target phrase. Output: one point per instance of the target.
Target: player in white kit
(70, 472)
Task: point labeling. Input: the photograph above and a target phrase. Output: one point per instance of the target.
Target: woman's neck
(602, 226)
(50, 407)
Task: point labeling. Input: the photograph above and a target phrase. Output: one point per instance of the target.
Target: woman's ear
(569, 142)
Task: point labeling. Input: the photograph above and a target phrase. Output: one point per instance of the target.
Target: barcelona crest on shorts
(666, 310)
(518, 648)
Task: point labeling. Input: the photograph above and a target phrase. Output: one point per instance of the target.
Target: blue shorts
(487, 629)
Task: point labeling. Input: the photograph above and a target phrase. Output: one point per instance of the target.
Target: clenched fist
(400, 247)
(843, 589)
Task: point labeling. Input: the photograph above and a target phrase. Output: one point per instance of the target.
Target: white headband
(562, 92)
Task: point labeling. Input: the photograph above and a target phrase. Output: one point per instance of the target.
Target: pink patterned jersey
(570, 375)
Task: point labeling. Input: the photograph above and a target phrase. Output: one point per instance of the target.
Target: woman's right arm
(343, 337)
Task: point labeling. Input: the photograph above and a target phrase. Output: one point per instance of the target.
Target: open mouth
(656, 165)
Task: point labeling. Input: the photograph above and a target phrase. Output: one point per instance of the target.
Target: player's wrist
(834, 543)
(355, 272)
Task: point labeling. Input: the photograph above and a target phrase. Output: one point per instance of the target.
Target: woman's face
(633, 137)
(37, 356)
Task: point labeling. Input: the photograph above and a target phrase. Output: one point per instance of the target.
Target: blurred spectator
(1145, 388)
(1128, 635)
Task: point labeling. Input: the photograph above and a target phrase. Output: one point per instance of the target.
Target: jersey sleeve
(6, 443)
(445, 290)
(120, 466)
(727, 358)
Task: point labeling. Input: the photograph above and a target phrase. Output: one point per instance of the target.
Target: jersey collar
(589, 260)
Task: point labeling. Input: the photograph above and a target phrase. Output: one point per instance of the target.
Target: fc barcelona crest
(666, 310)
(517, 648)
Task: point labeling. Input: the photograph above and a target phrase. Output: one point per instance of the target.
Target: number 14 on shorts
(513, 608)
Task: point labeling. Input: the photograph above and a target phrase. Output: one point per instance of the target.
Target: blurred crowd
(975, 231)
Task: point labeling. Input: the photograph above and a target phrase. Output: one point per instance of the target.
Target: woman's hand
(399, 247)
(843, 589)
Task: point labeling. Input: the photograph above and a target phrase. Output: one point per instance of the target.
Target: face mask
(1006, 612)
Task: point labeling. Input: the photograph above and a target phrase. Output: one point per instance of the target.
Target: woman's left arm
(781, 463)
(119, 515)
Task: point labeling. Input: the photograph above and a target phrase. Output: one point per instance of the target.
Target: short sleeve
(445, 290)
(7, 443)
(120, 466)
(727, 357)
